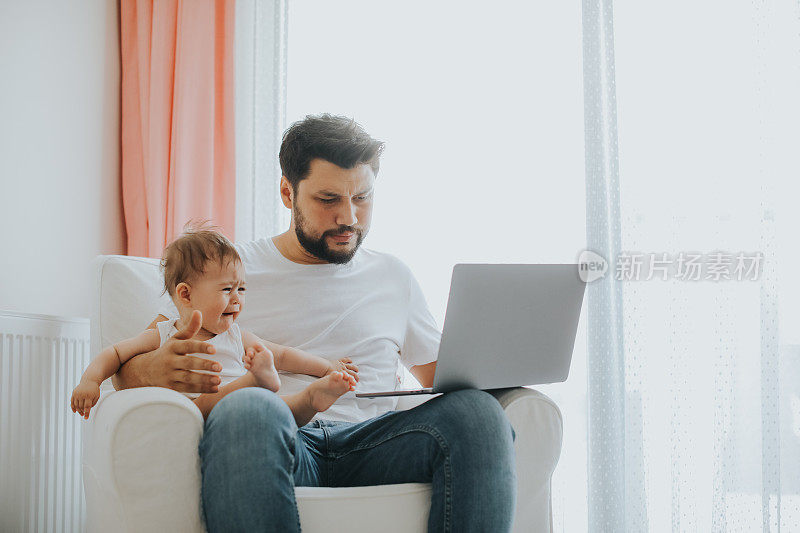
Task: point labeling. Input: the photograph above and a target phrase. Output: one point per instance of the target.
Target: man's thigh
(404, 446)
(309, 458)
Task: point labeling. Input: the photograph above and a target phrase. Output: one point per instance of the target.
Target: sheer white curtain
(481, 106)
(694, 413)
(528, 132)
(481, 110)
(260, 80)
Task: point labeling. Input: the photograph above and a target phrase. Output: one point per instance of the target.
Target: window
(482, 113)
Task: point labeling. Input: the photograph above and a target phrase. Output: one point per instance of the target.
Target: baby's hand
(345, 364)
(84, 397)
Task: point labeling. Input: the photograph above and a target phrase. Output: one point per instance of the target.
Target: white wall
(59, 151)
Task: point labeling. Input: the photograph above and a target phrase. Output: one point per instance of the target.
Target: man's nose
(347, 215)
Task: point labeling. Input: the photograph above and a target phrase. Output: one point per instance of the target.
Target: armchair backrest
(127, 298)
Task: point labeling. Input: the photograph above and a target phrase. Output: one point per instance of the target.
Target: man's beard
(319, 247)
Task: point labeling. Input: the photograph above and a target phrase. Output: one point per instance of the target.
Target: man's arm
(169, 365)
(422, 338)
(424, 373)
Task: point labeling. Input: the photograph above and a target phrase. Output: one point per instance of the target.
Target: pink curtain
(177, 118)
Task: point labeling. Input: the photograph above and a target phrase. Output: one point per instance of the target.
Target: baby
(205, 278)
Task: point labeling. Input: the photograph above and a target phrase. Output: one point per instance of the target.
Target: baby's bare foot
(262, 365)
(325, 391)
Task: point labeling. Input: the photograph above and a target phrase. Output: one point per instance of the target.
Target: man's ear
(183, 293)
(287, 192)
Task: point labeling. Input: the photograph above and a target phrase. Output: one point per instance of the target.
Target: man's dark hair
(338, 140)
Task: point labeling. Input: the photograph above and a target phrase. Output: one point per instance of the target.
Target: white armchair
(141, 468)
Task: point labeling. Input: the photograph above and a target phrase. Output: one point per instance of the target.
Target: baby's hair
(187, 256)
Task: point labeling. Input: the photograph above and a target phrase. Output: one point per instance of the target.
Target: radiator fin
(41, 361)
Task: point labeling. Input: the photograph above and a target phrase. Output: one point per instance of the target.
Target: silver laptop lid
(508, 326)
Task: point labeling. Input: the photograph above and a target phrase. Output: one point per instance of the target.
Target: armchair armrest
(141, 468)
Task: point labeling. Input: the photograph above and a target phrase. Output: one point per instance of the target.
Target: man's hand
(345, 364)
(169, 365)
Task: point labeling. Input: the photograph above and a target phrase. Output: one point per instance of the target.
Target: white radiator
(41, 361)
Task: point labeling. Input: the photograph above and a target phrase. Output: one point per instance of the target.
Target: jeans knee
(477, 416)
(479, 404)
(252, 411)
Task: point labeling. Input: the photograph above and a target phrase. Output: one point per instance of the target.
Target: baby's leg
(318, 396)
(325, 391)
(261, 364)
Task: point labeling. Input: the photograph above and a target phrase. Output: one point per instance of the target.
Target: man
(314, 288)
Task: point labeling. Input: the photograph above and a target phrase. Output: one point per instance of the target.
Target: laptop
(505, 326)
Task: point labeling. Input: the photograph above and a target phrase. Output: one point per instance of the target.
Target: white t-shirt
(371, 310)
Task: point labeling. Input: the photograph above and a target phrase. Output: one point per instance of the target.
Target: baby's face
(219, 294)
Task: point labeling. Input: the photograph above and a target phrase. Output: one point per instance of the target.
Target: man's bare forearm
(133, 373)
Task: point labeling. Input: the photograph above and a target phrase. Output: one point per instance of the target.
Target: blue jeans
(253, 455)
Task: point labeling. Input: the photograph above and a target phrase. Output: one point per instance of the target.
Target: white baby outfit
(371, 310)
(229, 351)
